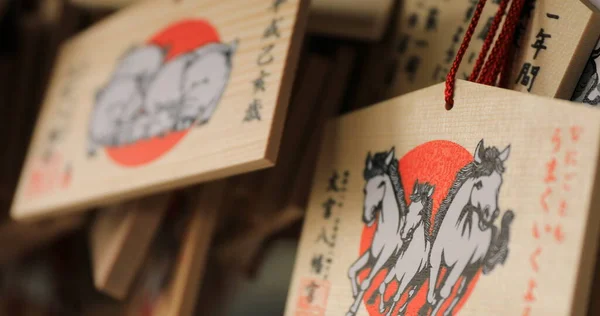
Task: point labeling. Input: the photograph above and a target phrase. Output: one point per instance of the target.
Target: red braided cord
(497, 59)
(506, 70)
(451, 78)
(489, 39)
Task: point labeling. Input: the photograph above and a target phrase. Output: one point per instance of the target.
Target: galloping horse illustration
(412, 265)
(464, 228)
(385, 202)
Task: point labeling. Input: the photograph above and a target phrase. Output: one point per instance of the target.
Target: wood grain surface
(552, 238)
(65, 171)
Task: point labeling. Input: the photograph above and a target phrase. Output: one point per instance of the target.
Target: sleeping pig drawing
(146, 97)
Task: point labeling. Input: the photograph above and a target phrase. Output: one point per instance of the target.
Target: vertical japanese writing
(63, 114)
(432, 19)
(336, 188)
(50, 170)
(540, 42)
(527, 75)
(426, 19)
(314, 289)
(560, 170)
(441, 69)
(265, 57)
(529, 71)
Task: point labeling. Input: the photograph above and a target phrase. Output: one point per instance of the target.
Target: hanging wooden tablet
(418, 209)
(552, 49)
(119, 240)
(182, 92)
(554, 38)
(429, 35)
(174, 269)
(362, 19)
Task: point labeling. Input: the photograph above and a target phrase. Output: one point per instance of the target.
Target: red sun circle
(436, 162)
(179, 38)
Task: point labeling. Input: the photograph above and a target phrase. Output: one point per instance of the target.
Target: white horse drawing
(464, 226)
(384, 201)
(412, 265)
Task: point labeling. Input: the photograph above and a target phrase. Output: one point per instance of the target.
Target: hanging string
(510, 53)
(500, 53)
(489, 39)
(498, 61)
(450, 79)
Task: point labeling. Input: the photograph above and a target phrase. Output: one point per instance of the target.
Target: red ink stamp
(313, 296)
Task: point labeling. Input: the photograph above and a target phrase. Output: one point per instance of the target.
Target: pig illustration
(164, 94)
(188, 89)
(122, 98)
(142, 62)
(116, 104)
(134, 129)
(147, 98)
(204, 81)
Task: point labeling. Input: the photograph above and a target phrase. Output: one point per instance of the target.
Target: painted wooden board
(360, 19)
(430, 33)
(554, 46)
(119, 240)
(502, 185)
(192, 91)
(173, 273)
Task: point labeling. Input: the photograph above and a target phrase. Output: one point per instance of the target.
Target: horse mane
(461, 177)
(391, 170)
(394, 175)
(490, 162)
(422, 191)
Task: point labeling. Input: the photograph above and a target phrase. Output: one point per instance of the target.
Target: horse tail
(498, 251)
(396, 178)
(427, 222)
